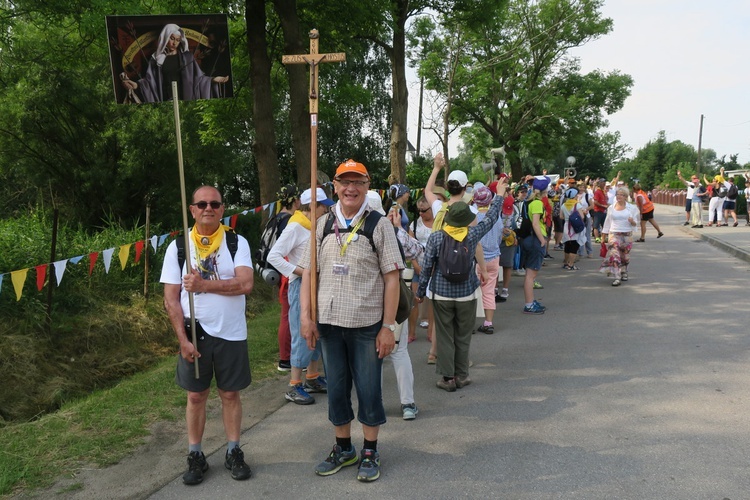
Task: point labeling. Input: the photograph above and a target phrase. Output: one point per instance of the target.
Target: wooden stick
(185, 227)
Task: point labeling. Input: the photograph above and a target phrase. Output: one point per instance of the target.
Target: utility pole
(700, 140)
(419, 116)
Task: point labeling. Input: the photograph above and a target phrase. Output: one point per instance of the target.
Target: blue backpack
(575, 221)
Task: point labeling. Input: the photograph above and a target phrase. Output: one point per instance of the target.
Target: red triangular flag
(138, 250)
(233, 221)
(41, 276)
(92, 261)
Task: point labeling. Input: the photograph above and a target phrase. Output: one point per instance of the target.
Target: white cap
(320, 197)
(374, 201)
(460, 176)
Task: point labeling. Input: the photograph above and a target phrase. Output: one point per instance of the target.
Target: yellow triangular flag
(124, 253)
(19, 278)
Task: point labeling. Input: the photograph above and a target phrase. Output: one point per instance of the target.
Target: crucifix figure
(313, 59)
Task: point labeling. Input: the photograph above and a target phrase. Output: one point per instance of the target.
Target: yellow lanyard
(351, 234)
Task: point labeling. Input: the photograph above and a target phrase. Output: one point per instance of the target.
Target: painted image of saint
(145, 65)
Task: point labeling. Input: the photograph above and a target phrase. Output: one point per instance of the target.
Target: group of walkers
(459, 253)
(720, 193)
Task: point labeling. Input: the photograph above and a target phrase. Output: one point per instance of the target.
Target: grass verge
(106, 426)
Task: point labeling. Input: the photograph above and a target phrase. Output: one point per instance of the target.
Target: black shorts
(571, 246)
(647, 216)
(226, 359)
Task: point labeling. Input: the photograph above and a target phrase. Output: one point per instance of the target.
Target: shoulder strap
(368, 228)
(232, 244)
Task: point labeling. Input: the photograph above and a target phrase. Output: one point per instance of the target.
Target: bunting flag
(124, 253)
(225, 221)
(59, 270)
(107, 254)
(138, 250)
(92, 261)
(41, 276)
(19, 278)
(1, 282)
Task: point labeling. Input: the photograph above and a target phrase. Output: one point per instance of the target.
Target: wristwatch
(390, 327)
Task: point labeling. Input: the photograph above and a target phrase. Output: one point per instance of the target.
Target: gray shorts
(507, 254)
(227, 360)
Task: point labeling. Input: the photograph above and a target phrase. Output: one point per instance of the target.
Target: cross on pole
(313, 59)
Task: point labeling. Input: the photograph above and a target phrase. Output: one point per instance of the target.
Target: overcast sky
(686, 58)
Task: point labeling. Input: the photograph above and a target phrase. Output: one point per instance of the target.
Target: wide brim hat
(375, 202)
(459, 215)
(482, 196)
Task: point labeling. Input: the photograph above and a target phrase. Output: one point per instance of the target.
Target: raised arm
(437, 166)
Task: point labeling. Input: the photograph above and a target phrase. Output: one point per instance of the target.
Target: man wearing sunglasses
(219, 282)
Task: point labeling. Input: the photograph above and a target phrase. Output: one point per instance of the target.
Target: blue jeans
(301, 354)
(349, 356)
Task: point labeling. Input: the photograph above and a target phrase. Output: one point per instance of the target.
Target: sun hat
(571, 193)
(396, 191)
(320, 197)
(459, 215)
(351, 166)
(482, 196)
(375, 202)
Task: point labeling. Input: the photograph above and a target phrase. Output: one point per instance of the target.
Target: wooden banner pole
(185, 226)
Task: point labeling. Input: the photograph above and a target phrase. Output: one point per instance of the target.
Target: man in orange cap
(358, 289)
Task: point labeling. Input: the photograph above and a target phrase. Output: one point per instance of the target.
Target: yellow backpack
(439, 221)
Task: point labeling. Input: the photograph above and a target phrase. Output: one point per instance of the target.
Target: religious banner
(148, 53)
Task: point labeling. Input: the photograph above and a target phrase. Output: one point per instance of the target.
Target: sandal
(640, 240)
(411, 339)
(431, 358)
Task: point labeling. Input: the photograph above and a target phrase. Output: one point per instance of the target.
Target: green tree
(518, 83)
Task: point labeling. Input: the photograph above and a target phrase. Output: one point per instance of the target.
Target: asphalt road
(637, 391)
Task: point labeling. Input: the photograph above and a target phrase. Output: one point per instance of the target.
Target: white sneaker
(504, 293)
(519, 272)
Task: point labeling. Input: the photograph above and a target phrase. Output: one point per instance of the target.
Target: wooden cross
(313, 59)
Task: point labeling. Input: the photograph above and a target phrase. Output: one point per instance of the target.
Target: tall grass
(110, 423)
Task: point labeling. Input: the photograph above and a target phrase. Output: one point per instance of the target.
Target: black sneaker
(486, 329)
(235, 462)
(197, 465)
(284, 365)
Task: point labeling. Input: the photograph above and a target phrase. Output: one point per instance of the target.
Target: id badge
(341, 270)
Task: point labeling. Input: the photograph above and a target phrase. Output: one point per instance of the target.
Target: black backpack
(455, 259)
(732, 192)
(524, 230)
(230, 235)
(271, 233)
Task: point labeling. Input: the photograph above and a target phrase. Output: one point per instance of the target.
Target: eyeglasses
(423, 210)
(203, 204)
(346, 183)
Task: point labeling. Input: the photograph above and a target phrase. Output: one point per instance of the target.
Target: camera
(269, 275)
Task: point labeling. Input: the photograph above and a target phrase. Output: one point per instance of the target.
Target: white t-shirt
(421, 232)
(221, 316)
(617, 220)
(439, 204)
(747, 194)
(291, 244)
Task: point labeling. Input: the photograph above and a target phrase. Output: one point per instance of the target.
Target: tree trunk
(264, 145)
(299, 89)
(400, 100)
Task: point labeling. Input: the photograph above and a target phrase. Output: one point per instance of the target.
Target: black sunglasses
(423, 210)
(203, 204)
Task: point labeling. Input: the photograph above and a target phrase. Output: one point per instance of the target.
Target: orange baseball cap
(351, 166)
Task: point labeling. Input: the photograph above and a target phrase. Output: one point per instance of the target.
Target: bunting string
(59, 267)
